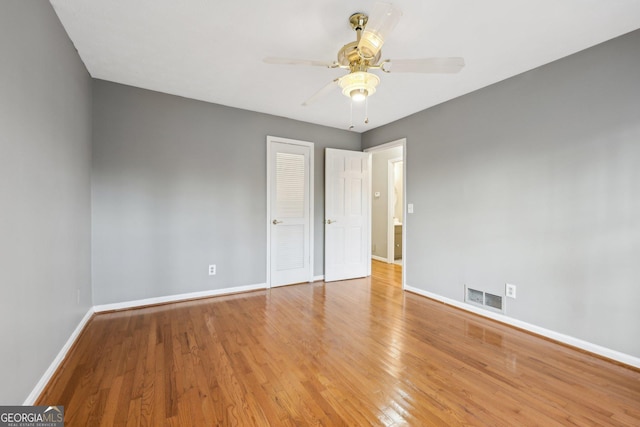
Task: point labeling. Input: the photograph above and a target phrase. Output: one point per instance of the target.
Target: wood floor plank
(350, 353)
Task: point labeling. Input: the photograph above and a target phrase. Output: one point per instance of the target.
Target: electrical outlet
(410, 208)
(510, 290)
(212, 270)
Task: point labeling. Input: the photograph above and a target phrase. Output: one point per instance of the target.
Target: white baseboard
(37, 390)
(379, 258)
(176, 298)
(556, 336)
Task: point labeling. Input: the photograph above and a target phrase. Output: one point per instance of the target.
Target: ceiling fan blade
(322, 92)
(291, 61)
(381, 22)
(425, 65)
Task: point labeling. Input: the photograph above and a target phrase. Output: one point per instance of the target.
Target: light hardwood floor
(355, 353)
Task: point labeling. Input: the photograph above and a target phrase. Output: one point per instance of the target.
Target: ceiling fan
(363, 55)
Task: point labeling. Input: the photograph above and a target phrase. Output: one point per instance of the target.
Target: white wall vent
(484, 299)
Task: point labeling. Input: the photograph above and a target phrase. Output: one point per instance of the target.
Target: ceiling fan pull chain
(366, 110)
(351, 115)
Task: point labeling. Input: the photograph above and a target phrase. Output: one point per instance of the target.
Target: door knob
(330, 221)
(276, 222)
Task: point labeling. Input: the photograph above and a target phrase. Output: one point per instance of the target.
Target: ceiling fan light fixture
(358, 95)
(358, 85)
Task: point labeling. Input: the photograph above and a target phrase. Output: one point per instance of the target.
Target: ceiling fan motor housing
(349, 56)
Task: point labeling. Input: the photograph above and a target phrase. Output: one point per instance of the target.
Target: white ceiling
(212, 50)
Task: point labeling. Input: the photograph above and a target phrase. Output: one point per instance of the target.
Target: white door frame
(270, 140)
(402, 142)
(391, 230)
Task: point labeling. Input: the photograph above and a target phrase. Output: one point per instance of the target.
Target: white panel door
(289, 212)
(347, 226)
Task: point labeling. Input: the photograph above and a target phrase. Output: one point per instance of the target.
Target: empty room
(327, 213)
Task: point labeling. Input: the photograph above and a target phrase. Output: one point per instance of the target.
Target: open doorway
(388, 216)
(395, 207)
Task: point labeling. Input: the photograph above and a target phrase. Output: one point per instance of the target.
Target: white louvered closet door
(290, 213)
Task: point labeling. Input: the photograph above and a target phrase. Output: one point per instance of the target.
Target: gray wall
(380, 206)
(180, 184)
(535, 181)
(45, 160)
